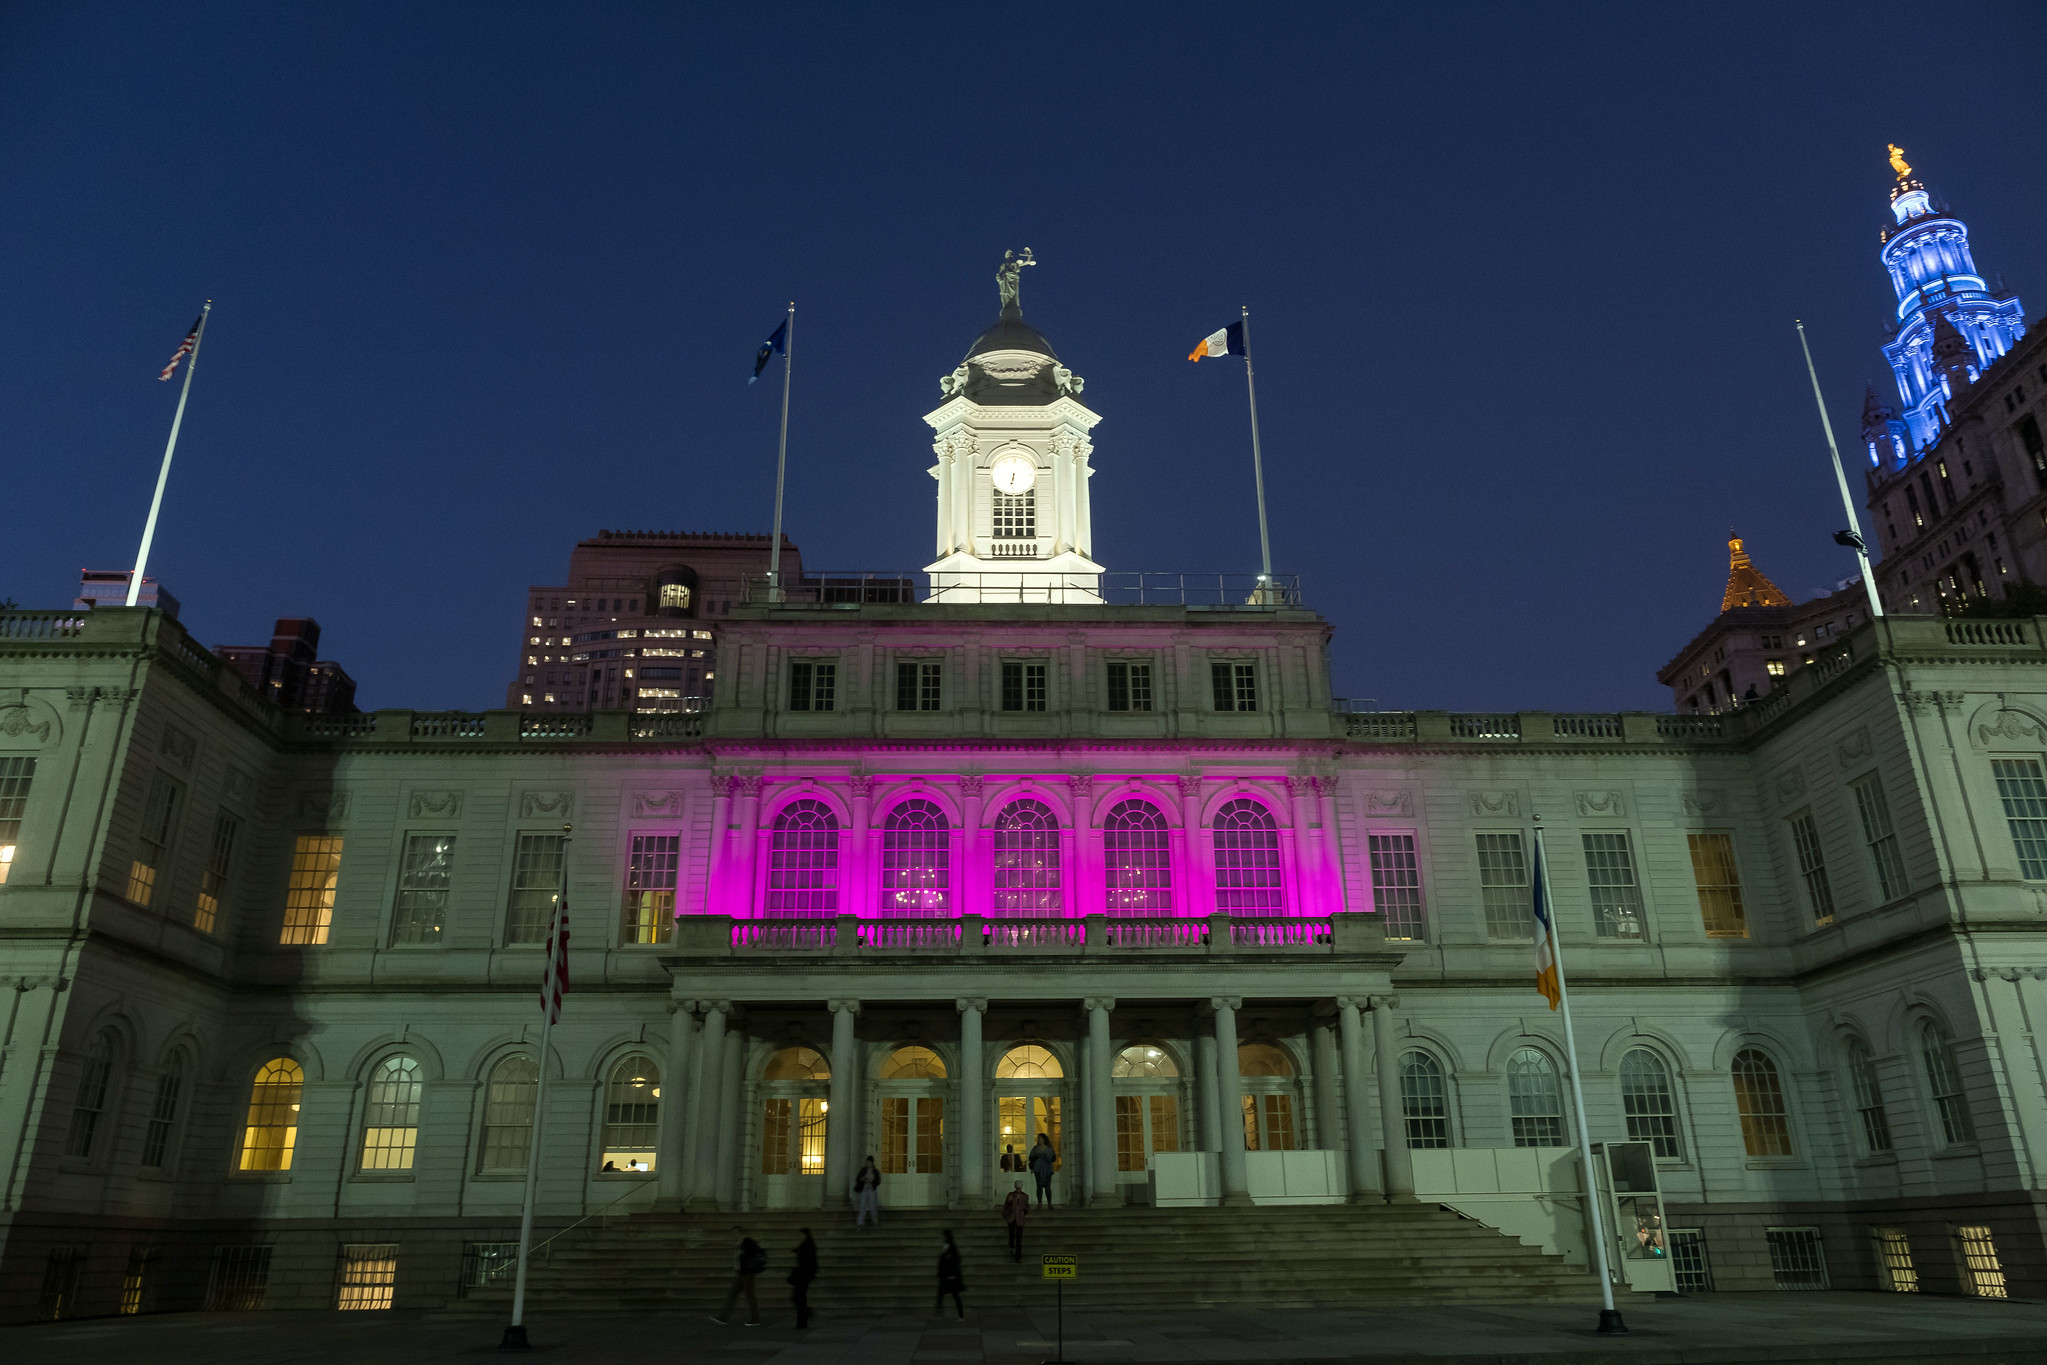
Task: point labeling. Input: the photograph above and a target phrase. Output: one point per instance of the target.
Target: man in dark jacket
(750, 1260)
(801, 1276)
(1043, 1160)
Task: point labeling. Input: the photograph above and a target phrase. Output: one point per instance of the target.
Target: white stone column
(1101, 1164)
(841, 1128)
(1083, 872)
(1206, 1100)
(705, 1092)
(856, 885)
(1230, 1099)
(671, 1162)
(1197, 859)
(973, 1185)
(1307, 850)
(1364, 1168)
(1328, 1109)
(715, 894)
(1392, 1118)
(731, 1122)
(973, 887)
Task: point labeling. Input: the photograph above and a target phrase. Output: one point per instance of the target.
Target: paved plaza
(1721, 1329)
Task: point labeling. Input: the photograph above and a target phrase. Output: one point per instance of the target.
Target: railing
(192, 654)
(1042, 933)
(1394, 725)
(682, 726)
(339, 727)
(447, 725)
(1690, 727)
(1157, 933)
(1280, 933)
(1234, 592)
(1587, 727)
(1986, 633)
(554, 726)
(785, 934)
(910, 933)
(1834, 664)
(1485, 727)
(40, 625)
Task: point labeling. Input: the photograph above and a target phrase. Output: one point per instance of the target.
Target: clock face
(1014, 474)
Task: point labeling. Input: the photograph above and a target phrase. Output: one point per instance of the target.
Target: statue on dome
(1009, 278)
(1897, 162)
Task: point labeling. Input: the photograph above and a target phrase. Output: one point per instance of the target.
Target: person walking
(949, 1278)
(1015, 1209)
(1043, 1160)
(867, 1193)
(750, 1260)
(801, 1276)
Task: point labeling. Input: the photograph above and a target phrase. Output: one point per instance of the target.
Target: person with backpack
(750, 1260)
(950, 1281)
(801, 1276)
(867, 1193)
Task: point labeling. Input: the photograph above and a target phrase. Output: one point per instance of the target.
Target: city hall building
(1016, 854)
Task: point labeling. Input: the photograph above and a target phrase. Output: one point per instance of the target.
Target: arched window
(1648, 1102)
(508, 1113)
(1135, 863)
(1144, 1062)
(1535, 1101)
(91, 1100)
(797, 1064)
(916, 861)
(803, 861)
(1029, 1062)
(1027, 860)
(1944, 1081)
(1424, 1101)
(1263, 1059)
(390, 1130)
(913, 1063)
(272, 1128)
(1247, 860)
(632, 1114)
(1759, 1099)
(1869, 1098)
(163, 1114)
(1148, 1107)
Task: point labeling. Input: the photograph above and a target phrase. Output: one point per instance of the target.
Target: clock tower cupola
(1013, 467)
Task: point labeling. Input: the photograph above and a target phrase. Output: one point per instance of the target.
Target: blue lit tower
(1950, 325)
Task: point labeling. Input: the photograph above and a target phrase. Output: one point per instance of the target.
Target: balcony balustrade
(976, 935)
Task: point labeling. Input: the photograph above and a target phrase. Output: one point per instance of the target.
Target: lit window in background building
(1774, 667)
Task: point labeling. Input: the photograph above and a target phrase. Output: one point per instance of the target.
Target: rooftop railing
(859, 587)
(979, 935)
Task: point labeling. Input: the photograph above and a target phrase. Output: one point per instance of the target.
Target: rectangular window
(60, 1284)
(1165, 1123)
(2024, 793)
(159, 822)
(1235, 686)
(241, 1274)
(15, 776)
(1894, 1259)
(536, 882)
(1869, 1100)
(1882, 838)
(917, 685)
(1016, 516)
(213, 881)
(1130, 1132)
(1797, 1260)
(136, 1280)
(895, 1135)
(1129, 687)
(163, 1117)
(309, 899)
(1023, 686)
(487, 1263)
(1503, 882)
(813, 686)
(1616, 899)
(1719, 885)
(1982, 1271)
(1812, 867)
(930, 1136)
(1690, 1270)
(369, 1275)
(776, 1117)
(650, 888)
(1396, 885)
(422, 910)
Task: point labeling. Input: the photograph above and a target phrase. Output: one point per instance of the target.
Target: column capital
(715, 1006)
(1099, 1002)
(1353, 1002)
(682, 1007)
(843, 1006)
(1232, 1003)
(1389, 1003)
(965, 1003)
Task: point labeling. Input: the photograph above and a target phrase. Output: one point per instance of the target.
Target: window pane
(632, 1114)
(1535, 1099)
(895, 1135)
(152, 854)
(15, 776)
(916, 861)
(1944, 1079)
(1424, 1101)
(163, 1115)
(1396, 885)
(650, 888)
(309, 899)
(391, 1116)
(803, 861)
(1759, 1100)
(1616, 899)
(422, 909)
(213, 881)
(369, 1275)
(536, 882)
(1129, 1132)
(1650, 1106)
(930, 1135)
(271, 1129)
(1165, 1122)
(1247, 879)
(1812, 867)
(1719, 885)
(508, 1114)
(91, 1100)
(1503, 884)
(1869, 1099)
(1027, 860)
(1137, 867)
(777, 1118)
(1882, 838)
(2024, 793)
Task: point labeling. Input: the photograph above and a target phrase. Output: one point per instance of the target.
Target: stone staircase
(1342, 1254)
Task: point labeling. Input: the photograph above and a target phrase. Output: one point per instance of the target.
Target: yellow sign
(1062, 1267)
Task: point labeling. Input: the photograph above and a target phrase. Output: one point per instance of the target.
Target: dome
(1012, 333)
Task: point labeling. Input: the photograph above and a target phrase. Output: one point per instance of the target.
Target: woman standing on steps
(949, 1279)
(867, 1193)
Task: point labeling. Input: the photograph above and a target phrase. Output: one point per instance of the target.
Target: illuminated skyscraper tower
(1951, 326)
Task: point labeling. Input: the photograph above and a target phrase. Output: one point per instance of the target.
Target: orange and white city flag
(1545, 936)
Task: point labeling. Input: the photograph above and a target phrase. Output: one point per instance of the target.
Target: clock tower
(1012, 446)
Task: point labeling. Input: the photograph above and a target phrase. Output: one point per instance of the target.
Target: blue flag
(776, 344)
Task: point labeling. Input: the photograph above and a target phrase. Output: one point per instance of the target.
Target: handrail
(604, 1212)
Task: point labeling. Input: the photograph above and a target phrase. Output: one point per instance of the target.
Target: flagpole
(515, 1334)
(1876, 606)
(1257, 470)
(164, 474)
(1610, 1323)
(782, 460)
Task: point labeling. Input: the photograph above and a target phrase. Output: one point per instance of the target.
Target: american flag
(184, 347)
(555, 984)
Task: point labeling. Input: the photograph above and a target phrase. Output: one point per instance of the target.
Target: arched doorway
(911, 1146)
(1030, 1085)
(795, 1091)
(1270, 1081)
(1147, 1090)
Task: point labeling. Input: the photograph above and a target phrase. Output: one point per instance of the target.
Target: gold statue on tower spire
(1898, 163)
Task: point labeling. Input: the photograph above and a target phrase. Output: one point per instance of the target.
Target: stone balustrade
(971, 935)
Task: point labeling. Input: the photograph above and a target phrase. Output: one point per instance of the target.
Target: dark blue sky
(489, 278)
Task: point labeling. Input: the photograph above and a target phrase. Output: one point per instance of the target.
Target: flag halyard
(1545, 937)
(1223, 341)
(185, 348)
